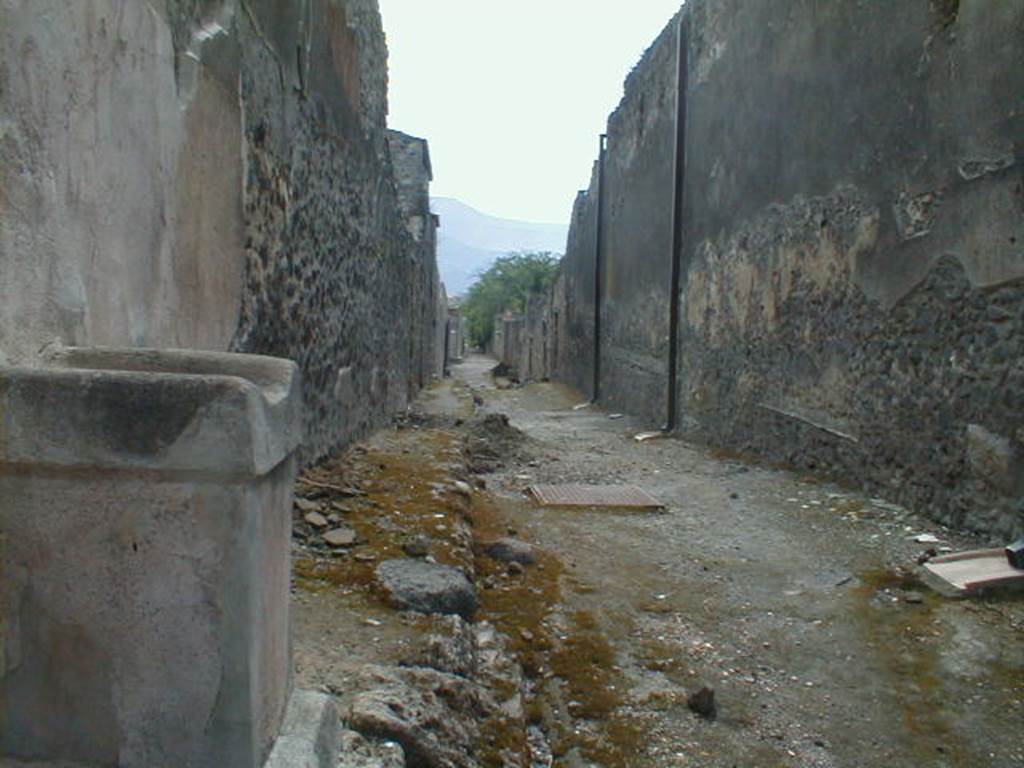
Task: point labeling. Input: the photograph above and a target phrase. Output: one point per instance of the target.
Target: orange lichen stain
(913, 667)
(405, 489)
(401, 494)
(522, 607)
(659, 656)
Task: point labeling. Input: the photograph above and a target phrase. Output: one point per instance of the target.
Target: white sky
(512, 94)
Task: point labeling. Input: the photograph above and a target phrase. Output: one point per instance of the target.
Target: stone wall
(508, 344)
(852, 294)
(410, 157)
(576, 362)
(560, 343)
(535, 351)
(457, 333)
(530, 343)
(441, 333)
(637, 237)
(211, 175)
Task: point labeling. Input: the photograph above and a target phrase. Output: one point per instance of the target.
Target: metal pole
(678, 200)
(598, 264)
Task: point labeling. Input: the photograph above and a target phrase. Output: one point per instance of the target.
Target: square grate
(575, 495)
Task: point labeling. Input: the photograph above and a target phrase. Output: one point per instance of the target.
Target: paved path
(776, 590)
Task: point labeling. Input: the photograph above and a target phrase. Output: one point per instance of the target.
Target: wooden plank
(967, 572)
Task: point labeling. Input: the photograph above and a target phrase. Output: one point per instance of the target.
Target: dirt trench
(791, 598)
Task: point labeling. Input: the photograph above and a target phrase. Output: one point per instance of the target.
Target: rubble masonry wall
(852, 296)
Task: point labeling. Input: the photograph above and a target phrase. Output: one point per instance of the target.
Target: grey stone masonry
(145, 523)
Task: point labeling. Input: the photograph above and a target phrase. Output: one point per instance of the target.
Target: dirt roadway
(780, 592)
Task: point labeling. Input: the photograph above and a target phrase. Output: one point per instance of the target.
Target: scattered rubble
(340, 537)
(306, 506)
(702, 702)
(492, 443)
(432, 714)
(559, 680)
(316, 520)
(360, 752)
(417, 545)
(427, 587)
(511, 551)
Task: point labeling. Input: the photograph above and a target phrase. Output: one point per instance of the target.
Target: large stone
(433, 715)
(428, 587)
(359, 752)
(145, 520)
(511, 551)
(450, 647)
(341, 537)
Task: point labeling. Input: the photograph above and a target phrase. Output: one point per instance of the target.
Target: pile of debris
(492, 442)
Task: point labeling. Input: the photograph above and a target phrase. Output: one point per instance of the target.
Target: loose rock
(511, 551)
(416, 585)
(359, 752)
(703, 702)
(305, 506)
(316, 520)
(450, 647)
(433, 715)
(340, 537)
(417, 546)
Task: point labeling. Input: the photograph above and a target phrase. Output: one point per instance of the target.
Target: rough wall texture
(210, 174)
(410, 157)
(852, 275)
(457, 333)
(576, 363)
(560, 343)
(330, 265)
(530, 343)
(441, 333)
(508, 344)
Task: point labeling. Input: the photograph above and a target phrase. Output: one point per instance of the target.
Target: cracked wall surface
(853, 263)
(211, 174)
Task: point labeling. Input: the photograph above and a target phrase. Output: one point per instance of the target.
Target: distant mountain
(469, 241)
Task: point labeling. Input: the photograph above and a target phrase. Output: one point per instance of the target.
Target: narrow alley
(799, 606)
(392, 384)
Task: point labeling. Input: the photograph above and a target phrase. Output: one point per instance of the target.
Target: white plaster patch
(213, 26)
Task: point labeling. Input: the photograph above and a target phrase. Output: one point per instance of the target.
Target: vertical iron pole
(598, 264)
(679, 191)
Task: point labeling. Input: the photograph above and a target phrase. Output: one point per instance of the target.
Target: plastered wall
(216, 174)
(852, 270)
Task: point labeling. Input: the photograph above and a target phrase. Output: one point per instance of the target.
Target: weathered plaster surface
(103, 170)
(637, 245)
(215, 174)
(410, 157)
(578, 269)
(853, 227)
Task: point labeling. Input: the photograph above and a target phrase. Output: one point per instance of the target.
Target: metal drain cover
(575, 495)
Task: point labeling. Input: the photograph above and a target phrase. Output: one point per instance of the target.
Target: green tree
(505, 285)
